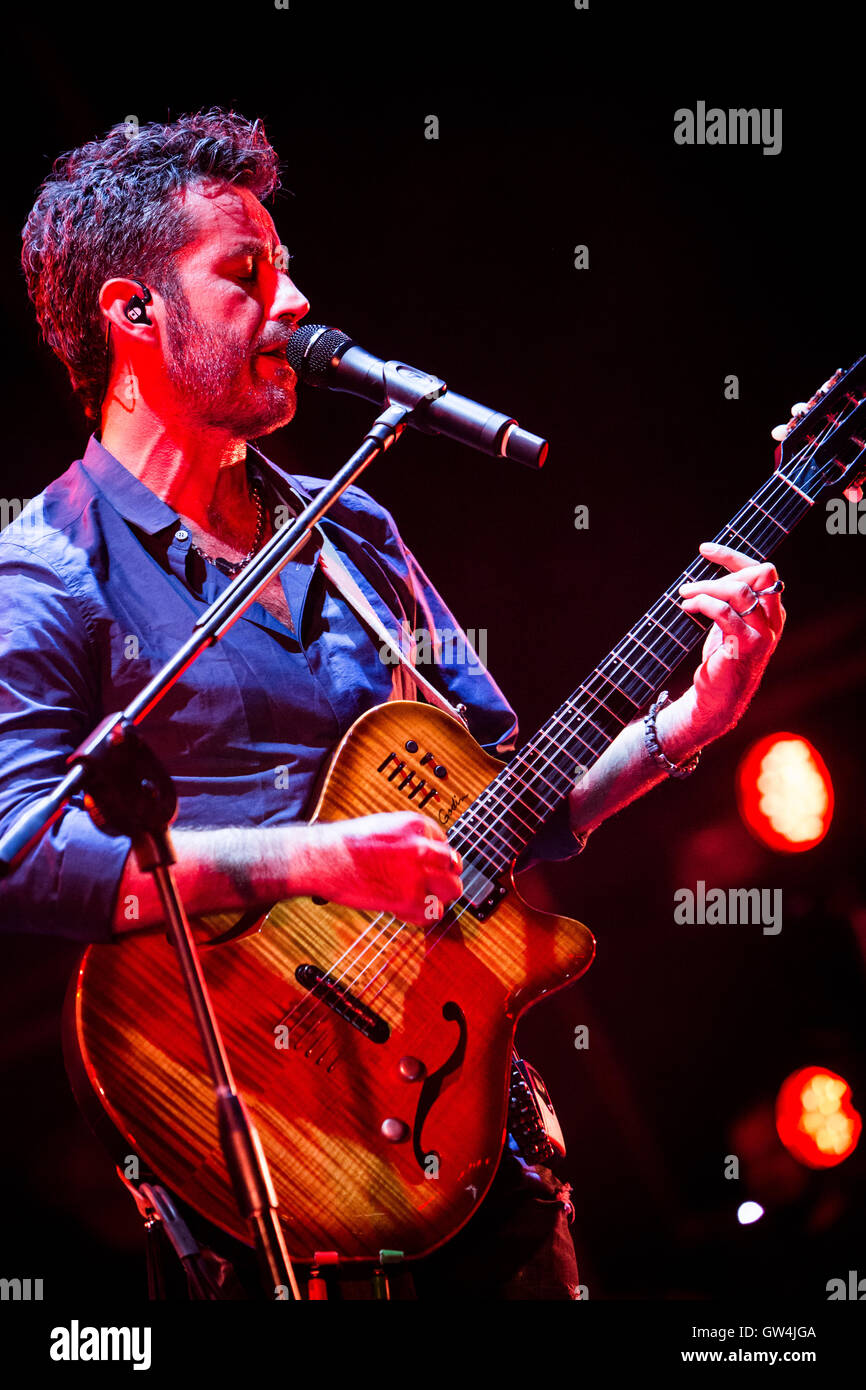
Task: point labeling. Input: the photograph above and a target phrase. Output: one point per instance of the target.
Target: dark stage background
(556, 129)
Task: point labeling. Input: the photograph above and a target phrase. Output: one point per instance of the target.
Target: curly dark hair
(108, 209)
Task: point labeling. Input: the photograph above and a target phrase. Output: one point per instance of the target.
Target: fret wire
(568, 781)
(614, 656)
(635, 638)
(598, 700)
(490, 801)
(458, 832)
(772, 518)
(548, 784)
(563, 773)
(743, 541)
(668, 631)
(622, 692)
(490, 798)
(554, 719)
(532, 749)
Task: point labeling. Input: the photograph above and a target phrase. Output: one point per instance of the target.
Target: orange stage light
(815, 1118)
(785, 793)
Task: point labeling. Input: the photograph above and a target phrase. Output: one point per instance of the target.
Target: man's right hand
(394, 861)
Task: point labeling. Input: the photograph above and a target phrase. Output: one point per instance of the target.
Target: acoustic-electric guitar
(374, 1055)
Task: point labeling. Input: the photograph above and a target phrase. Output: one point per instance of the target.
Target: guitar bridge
(482, 910)
(480, 892)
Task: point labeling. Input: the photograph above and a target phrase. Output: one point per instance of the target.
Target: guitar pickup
(343, 1003)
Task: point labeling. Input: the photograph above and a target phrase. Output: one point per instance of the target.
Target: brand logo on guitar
(447, 812)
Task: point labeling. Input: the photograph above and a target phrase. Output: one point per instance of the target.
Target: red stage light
(784, 792)
(815, 1119)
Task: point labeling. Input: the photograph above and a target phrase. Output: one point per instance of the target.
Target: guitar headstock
(824, 443)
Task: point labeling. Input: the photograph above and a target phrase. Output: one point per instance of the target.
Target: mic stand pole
(127, 791)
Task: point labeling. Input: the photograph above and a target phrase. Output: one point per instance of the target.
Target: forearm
(224, 870)
(625, 770)
(396, 862)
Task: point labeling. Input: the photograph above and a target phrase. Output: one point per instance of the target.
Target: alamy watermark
(438, 646)
(21, 1290)
(738, 907)
(846, 516)
(851, 1288)
(77, 1343)
(736, 126)
(23, 515)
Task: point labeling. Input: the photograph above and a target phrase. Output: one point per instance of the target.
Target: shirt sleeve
(491, 719)
(67, 884)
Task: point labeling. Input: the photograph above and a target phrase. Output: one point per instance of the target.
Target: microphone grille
(310, 351)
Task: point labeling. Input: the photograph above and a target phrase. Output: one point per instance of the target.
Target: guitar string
(534, 749)
(492, 798)
(447, 922)
(533, 756)
(394, 959)
(491, 795)
(560, 750)
(356, 959)
(789, 515)
(536, 752)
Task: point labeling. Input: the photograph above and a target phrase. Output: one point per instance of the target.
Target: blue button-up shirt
(99, 588)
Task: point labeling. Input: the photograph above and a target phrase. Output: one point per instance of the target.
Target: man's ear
(120, 295)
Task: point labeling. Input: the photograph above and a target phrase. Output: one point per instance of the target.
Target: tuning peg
(801, 408)
(780, 433)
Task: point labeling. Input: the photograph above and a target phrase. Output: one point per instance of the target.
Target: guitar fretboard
(513, 807)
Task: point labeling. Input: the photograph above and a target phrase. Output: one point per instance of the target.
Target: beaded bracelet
(651, 740)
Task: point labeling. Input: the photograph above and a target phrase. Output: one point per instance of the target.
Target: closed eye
(248, 270)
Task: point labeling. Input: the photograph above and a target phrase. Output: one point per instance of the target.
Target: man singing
(159, 280)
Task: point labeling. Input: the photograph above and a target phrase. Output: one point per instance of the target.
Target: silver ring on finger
(752, 606)
(776, 588)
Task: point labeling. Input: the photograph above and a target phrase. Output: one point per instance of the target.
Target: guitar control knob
(411, 1068)
(395, 1131)
(411, 746)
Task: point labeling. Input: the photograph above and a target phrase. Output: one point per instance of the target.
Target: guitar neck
(512, 808)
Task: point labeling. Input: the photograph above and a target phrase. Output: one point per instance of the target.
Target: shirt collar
(135, 502)
(126, 493)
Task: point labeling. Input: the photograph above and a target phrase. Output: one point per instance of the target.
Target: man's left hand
(738, 645)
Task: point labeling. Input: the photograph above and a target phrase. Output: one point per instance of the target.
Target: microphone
(322, 356)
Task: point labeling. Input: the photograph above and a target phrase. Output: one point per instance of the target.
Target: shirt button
(181, 535)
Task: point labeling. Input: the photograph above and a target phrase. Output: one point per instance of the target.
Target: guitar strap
(333, 567)
(336, 571)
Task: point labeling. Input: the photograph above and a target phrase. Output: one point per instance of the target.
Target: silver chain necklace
(231, 567)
